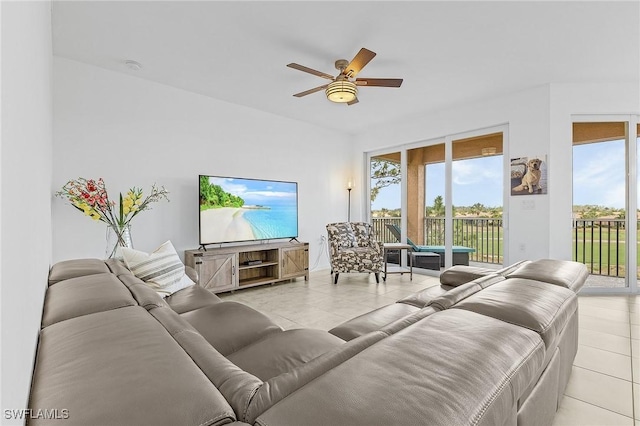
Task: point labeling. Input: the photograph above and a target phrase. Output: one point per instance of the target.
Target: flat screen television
(238, 209)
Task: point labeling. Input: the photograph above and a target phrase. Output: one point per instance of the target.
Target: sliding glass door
(605, 200)
(477, 192)
(443, 196)
(385, 200)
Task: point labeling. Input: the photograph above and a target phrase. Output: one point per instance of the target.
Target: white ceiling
(448, 53)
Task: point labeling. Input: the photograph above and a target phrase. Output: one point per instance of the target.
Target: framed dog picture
(529, 175)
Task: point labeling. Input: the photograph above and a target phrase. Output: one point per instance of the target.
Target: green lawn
(488, 242)
(603, 250)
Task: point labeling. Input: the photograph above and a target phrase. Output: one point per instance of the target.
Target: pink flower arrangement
(90, 196)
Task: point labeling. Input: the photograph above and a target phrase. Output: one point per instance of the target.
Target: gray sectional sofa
(484, 348)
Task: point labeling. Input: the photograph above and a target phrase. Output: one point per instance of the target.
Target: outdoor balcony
(598, 243)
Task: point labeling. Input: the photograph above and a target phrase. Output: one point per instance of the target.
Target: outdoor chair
(460, 253)
(396, 233)
(353, 248)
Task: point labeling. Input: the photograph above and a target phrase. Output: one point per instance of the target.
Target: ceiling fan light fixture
(341, 91)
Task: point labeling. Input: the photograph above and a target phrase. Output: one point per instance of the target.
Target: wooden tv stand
(234, 267)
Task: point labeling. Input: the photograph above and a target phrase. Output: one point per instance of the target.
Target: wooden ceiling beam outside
(392, 156)
(584, 133)
(464, 149)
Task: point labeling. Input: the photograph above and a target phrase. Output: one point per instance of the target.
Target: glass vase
(117, 237)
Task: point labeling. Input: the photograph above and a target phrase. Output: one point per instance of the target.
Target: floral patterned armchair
(353, 248)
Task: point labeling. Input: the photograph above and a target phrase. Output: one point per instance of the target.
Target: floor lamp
(349, 188)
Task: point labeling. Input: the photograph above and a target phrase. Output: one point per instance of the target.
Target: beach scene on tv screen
(233, 209)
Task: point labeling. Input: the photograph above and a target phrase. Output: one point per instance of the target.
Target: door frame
(447, 140)
(631, 203)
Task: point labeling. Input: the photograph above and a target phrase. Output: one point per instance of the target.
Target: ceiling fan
(344, 87)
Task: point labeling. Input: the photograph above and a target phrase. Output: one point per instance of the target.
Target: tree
(438, 206)
(384, 173)
(212, 196)
(590, 212)
(477, 208)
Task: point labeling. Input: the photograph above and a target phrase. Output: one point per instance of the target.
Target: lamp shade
(341, 91)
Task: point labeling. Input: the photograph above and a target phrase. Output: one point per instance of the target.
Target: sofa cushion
(121, 367)
(461, 274)
(422, 298)
(571, 275)
(230, 326)
(432, 376)
(455, 295)
(404, 322)
(191, 298)
(236, 385)
(372, 321)
(117, 267)
(279, 387)
(535, 305)
(76, 268)
(511, 268)
(281, 352)
(84, 295)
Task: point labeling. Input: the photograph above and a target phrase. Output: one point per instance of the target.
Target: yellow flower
(127, 203)
(86, 208)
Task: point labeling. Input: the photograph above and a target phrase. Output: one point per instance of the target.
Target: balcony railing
(598, 243)
(485, 235)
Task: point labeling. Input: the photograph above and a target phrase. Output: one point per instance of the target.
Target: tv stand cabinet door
(295, 262)
(218, 272)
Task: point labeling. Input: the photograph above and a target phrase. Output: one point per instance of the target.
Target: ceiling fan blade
(310, 71)
(362, 58)
(310, 91)
(355, 101)
(379, 82)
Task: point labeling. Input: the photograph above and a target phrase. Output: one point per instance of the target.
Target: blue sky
(598, 179)
(260, 192)
(598, 176)
(475, 181)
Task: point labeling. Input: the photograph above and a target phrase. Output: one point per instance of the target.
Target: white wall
(135, 132)
(25, 190)
(539, 122)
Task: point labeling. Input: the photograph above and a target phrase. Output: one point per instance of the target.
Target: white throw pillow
(161, 270)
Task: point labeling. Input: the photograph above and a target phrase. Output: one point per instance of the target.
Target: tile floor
(604, 388)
